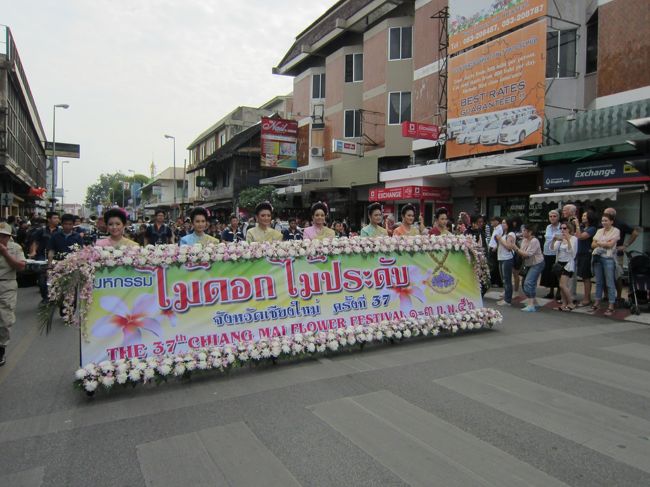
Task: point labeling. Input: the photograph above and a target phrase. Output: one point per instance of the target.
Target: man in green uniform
(12, 259)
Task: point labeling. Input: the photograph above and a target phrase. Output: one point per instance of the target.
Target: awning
(585, 149)
(571, 196)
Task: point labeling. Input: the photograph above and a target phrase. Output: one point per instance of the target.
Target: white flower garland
(153, 369)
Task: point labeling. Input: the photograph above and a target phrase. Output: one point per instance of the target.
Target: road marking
(607, 373)
(421, 448)
(15, 354)
(634, 350)
(177, 396)
(587, 423)
(224, 455)
(27, 478)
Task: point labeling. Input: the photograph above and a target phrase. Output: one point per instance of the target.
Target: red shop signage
(429, 193)
(416, 130)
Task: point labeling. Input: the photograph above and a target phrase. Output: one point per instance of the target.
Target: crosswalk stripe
(601, 371)
(606, 430)
(634, 350)
(224, 455)
(421, 448)
(27, 478)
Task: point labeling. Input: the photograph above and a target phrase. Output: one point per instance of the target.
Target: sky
(135, 70)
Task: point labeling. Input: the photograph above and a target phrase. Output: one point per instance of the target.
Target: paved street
(546, 399)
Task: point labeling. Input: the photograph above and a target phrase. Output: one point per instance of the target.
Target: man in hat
(12, 259)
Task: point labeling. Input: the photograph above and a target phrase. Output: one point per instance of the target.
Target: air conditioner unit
(317, 151)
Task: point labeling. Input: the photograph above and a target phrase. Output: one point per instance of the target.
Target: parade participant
(232, 233)
(199, 218)
(566, 245)
(583, 260)
(339, 229)
(63, 240)
(549, 279)
(141, 236)
(440, 223)
(158, 232)
(115, 220)
(604, 246)
(262, 231)
(318, 230)
(477, 231)
(531, 253)
(374, 228)
(38, 249)
(293, 232)
(506, 244)
(408, 227)
(389, 225)
(12, 259)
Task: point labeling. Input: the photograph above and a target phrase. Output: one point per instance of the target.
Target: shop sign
(478, 20)
(409, 193)
(416, 130)
(591, 173)
(279, 143)
(204, 182)
(346, 147)
(496, 94)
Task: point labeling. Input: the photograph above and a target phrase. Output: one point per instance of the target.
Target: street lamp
(174, 140)
(132, 171)
(63, 187)
(65, 106)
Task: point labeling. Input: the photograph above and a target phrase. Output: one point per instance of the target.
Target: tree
(250, 197)
(108, 189)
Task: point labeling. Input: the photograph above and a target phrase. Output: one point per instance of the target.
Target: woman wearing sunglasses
(566, 245)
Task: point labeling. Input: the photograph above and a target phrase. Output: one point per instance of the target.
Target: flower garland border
(157, 369)
(71, 280)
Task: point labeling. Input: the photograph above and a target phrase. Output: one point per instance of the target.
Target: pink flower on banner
(130, 322)
(170, 315)
(415, 289)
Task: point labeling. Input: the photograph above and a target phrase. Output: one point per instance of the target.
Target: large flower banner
(148, 313)
(154, 310)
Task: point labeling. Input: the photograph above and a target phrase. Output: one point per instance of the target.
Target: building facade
(22, 138)
(225, 158)
(364, 67)
(166, 190)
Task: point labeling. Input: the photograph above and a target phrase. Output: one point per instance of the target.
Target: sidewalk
(621, 314)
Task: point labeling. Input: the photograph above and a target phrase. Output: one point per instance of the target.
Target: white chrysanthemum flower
(149, 373)
(121, 378)
(134, 375)
(80, 373)
(107, 381)
(165, 369)
(91, 385)
(179, 369)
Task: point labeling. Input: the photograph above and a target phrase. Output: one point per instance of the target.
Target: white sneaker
(501, 302)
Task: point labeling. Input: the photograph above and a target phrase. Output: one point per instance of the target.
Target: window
(561, 54)
(353, 67)
(400, 43)
(318, 86)
(592, 44)
(225, 178)
(222, 139)
(352, 124)
(399, 107)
